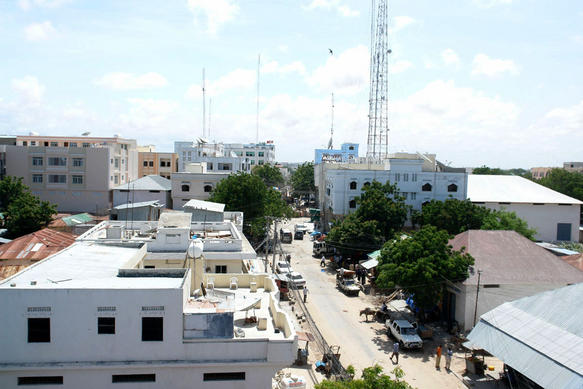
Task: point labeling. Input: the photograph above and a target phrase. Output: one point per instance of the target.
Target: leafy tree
(354, 237)
(247, 193)
(421, 263)
(270, 174)
(23, 212)
(372, 378)
(302, 179)
(489, 171)
(565, 182)
(503, 220)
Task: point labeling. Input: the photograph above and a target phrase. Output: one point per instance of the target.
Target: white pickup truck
(405, 333)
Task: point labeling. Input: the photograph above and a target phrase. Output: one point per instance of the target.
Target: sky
(477, 82)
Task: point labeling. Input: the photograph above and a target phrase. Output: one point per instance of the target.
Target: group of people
(361, 275)
(448, 355)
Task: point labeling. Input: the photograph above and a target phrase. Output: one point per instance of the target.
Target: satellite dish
(195, 248)
(86, 133)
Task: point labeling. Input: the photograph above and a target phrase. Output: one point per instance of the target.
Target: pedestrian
(363, 275)
(395, 352)
(323, 261)
(438, 356)
(448, 356)
(305, 293)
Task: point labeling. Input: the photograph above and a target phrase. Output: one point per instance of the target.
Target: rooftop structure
(148, 188)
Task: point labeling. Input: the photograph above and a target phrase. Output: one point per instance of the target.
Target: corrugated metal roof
(152, 203)
(205, 205)
(37, 245)
(512, 189)
(151, 182)
(508, 257)
(77, 219)
(541, 336)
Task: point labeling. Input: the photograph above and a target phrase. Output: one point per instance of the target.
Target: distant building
(253, 153)
(195, 183)
(348, 153)
(555, 216)
(540, 172)
(149, 188)
(216, 157)
(573, 166)
(510, 266)
(162, 164)
(75, 173)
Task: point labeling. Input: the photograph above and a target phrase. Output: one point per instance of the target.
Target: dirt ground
(363, 343)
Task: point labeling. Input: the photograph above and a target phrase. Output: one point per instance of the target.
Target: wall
(196, 182)
(139, 196)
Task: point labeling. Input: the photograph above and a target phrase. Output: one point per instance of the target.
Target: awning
(374, 254)
(369, 264)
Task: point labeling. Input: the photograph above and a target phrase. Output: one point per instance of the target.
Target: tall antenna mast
(257, 129)
(203, 105)
(378, 114)
(330, 142)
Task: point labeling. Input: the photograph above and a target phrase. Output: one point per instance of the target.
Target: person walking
(448, 356)
(305, 293)
(395, 352)
(323, 261)
(438, 356)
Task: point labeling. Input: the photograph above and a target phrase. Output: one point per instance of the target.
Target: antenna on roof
(330, 142)
(210, 108)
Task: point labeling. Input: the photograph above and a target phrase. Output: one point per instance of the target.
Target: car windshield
(348, 282)
(408, 331)
(283, 265)
(296, 277)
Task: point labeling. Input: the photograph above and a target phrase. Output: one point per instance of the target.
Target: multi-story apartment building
(215, 156)
(253, 153)
(158, 163)
(419, 178)
(76, 173)
(194, 183)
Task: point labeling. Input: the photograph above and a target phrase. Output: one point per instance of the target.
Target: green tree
(302, 179)
(353, 237)
(421, 263)
(270, 174)
(23, 212)
(247, 193)
(372, 378)
(503, 220)
(486, 170)
(565, 182)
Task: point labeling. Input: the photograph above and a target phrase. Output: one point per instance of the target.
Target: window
(563, 231)
(57, 179)
(115, 179)
(154, 191)
(328, 191)
(426, 188)
(46, 144)
(37, 161)
(353, 185)
(106, 325)
(185, 188)
(225, 166)
(405, 177)
(413, 196)
(404, 194)
(42, 380)
(351, 148)
(249, 153)
(145, 163)
(239, 376)
(54, 144)
(24, 143)
(39, 330)
(209, 166)
(452, 188)
(261, 154)
(208, 188)
(77, 179)
(66, 144)
(252, 162)
(33, 143)
(57, 161)
(220, 268)
(260, 162)
(366, 184)
(152, 329)
(37, 178)
(85, 144)
(120, 378)
(73, 144)
(151, 163)
(397, 177)
(116, 163)
(414, 177)
(352, 204)
(77, 162)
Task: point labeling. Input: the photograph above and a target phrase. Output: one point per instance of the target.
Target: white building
(216, 157)
(419, 178)
(253, 153)
(76, 173)
(194, 183)
(148, 188)
(555, 216)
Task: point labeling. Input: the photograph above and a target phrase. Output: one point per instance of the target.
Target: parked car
(285, 236)
(298, 235)
(405, 333)
(296, 279)
(283, 267)
(301, 227)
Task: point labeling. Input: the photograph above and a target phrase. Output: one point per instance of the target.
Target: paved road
(362, 344)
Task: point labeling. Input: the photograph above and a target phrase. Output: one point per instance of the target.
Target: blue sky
(495, 82)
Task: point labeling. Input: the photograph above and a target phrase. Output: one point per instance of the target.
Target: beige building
(540, 172)
(194, 183)
(76, 173)
(152, 162)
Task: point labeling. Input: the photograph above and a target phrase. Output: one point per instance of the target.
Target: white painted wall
(138, 196)
(196, 182)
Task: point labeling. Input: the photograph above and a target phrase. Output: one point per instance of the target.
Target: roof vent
(12, 285)
(33, 282)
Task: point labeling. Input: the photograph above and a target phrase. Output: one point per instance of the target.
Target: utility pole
(266, 259)
(274, 244)
(477, 291)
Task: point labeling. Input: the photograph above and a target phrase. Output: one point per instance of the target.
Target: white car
(282, 267)
(296, 278)
(301, 227)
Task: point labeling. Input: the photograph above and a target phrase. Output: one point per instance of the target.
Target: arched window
(208, 188)
(352, 204)
(452, 188)
(365, 184)
(353, 185)
(426, 188)
(185, 188)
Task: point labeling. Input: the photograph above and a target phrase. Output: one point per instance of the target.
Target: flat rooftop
(88, 265)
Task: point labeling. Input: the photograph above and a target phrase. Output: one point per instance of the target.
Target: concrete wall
(544, 217)
(137, 196)
(196, 182)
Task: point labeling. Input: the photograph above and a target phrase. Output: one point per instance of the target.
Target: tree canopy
(421, 263)
(565, 182)
(302, 179)
(23, 212)
(270, 175)
(485, 170)
(380, 214)
(247, 193)
(455, 216)
(372, 378)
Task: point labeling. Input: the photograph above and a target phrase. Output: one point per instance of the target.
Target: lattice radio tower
(378, 114)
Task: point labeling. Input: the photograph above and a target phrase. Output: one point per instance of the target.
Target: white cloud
(567, 120)
(130, 81)
(345, 74)
(40, 31)
(216, 12)
(450, 57)
(493, 67)
(147, 113)
(29, 89)
(400, 66)
(283, 48)
(237, 79)
(28, 4)
(275, 67)
(491, 3)
(337, 5)
(400, 22)
(577, 39)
